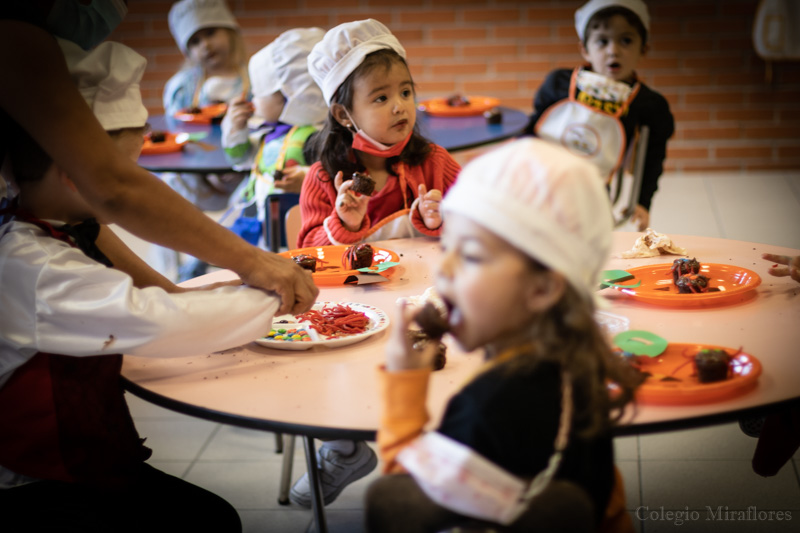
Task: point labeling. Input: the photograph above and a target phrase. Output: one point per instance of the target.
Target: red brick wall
(729, 117)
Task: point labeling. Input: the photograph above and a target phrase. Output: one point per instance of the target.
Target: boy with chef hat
(596, 109)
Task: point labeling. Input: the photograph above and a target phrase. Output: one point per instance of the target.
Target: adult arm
(40, 95)
(64, 302)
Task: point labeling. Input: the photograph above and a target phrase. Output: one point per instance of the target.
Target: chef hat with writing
(584, 13)
(344, 48)
(282, 66)
(189, 16)
(108, 78)
(550, 204)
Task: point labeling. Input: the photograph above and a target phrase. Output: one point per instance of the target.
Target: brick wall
(729, 117)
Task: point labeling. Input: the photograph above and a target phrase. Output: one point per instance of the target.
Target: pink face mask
(364, 143)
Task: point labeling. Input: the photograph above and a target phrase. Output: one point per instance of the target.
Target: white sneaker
(336, 472)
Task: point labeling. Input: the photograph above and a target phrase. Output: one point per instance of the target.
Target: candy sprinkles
(291, 335)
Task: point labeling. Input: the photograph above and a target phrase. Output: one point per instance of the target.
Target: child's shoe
(336, 472)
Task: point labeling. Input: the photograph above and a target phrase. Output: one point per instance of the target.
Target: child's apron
(588, 122)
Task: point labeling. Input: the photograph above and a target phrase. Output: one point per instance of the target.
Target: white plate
(378, 321)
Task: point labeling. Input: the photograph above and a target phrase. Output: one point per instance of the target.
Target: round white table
(333, 393)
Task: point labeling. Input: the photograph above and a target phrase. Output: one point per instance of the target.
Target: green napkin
(639, 342)
(611, 278)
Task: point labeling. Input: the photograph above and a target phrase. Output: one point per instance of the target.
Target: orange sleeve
(616, 518)
(404, 395)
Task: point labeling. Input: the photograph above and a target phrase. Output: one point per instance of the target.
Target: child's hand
(239, 110)
(400, 353)
(429, 206)
(292, 178)
(791, 268)
(351, 207)
(641, 216)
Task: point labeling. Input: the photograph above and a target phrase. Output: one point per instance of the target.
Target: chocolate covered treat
(457, 100)
(358, 256)
(712, 365)
(309, 262)
(431, 321)
(684, 267)
(493, 116)
(692, 284)
(157, 136)
(362, 184)
(420, 340)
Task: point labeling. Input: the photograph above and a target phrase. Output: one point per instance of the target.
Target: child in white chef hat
(71, 458)
(269, 136)
(371, 128)
(216, 66)
(215, 71)
(527, 232)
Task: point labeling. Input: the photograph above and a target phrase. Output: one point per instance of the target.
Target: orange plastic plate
(438, 107)
(206, 115)
(168, 146)
(332, 272)
(745, 370)
(658, 288)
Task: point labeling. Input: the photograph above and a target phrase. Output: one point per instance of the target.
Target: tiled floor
(685, 471)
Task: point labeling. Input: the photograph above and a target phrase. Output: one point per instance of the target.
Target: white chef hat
(188, 16)
(587, 10)
(108, 78)
(282, 66)
(343, 49)
(545, 201)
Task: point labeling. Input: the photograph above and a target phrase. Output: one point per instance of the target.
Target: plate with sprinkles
(326, 324)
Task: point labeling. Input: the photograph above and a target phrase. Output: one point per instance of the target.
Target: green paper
(611, 278)
(380, 267)
(639, 342)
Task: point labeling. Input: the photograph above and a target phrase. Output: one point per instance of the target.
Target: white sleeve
(63, 302)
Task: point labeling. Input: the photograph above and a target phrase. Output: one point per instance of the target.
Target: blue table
(452, 133)
(461, 133)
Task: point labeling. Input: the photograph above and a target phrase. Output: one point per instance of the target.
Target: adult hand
(239, 110)
(292, 178)
(283, 276)
(791, 268)
(429, 206)
(351, 207)
(641, 217)
(400, 352)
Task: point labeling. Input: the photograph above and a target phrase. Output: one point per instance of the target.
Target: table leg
(286, 470)
(317, 504)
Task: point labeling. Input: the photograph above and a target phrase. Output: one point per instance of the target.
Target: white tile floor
(679, 471)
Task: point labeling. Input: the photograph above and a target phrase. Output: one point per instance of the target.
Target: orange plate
(477, 105)
(168, 146)
(206, 115)
(331, 272)
(745, 370)
(658, 288)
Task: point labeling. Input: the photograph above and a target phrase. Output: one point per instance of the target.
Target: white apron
(590, 126)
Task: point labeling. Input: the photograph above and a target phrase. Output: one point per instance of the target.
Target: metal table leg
(317, 504)
(286, 469)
